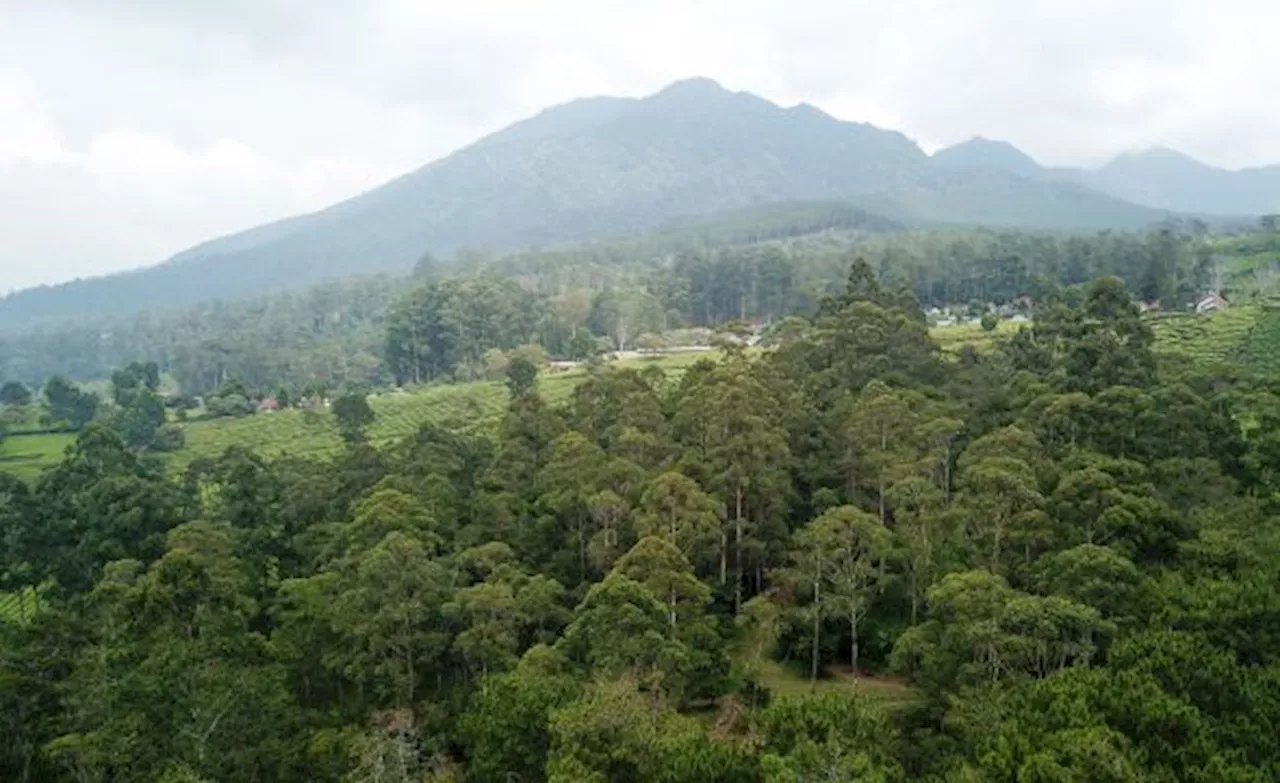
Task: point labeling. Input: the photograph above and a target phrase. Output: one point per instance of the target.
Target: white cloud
(131, 130)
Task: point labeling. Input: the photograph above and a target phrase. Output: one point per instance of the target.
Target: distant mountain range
(608, 166)
(1158, 178)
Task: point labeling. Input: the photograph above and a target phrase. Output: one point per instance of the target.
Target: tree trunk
(853, 643)
(946, 475)
(737, 540)
(995, 550)
(817, 632)
(724, 557)
(582, 548)
(882, 505)
(915, 593)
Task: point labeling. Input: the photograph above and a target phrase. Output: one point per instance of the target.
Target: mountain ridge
(588, 168)
(1158, 177)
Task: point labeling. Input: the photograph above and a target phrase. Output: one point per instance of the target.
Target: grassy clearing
(783, 681)
(26, 456)
(954, 338)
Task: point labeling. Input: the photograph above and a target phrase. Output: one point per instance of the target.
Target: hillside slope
(1168, 179)
(591, 168)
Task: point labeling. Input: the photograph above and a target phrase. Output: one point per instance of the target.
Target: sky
(133, 129)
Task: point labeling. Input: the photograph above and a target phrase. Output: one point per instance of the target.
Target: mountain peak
(980, 152)
(695, 87)
(1164, 157)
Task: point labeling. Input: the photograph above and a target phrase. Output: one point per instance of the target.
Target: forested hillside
(594, 168)
(761, 265)
(846, 557)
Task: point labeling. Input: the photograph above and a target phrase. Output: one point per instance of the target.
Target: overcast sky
(131, 129)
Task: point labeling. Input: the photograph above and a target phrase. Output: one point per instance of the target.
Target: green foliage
(354, 415)
(15, 393)
(1049, 560)
(69, 404)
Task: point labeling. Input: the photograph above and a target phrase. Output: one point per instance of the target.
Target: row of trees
(1060, 563)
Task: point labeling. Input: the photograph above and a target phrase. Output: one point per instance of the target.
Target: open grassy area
(783, 681)
(954, 338)
(25, 456)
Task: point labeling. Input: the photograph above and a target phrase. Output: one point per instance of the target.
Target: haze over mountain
(1160, 178)
(605, 166)
(985, 153)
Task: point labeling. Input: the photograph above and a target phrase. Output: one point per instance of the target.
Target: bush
(230, 406)
(169, 438)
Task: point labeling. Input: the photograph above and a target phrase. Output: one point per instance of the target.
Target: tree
(521, 375)
(1095, 576)
(920, 529)
(180, 626)
(621, 629)
(69, 404)
(353, 414)
(675, 508)
(506, 728)
(571, 476)
(736, 448)
(139, 413)
(981, 630)
(840, 557)
(990, 321)
(1000, 494)
(385, 604)
(615, 732)
(15, 393)
(830, 737)
(664, 571)
(880, 429)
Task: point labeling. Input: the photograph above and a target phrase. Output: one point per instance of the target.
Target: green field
(1204, 340)
(467, 407)
(954, 338)
(471, 407)
(783, 681)
(25, 456)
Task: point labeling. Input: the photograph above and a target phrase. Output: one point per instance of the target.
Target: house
(268, 405)
(556, 366)
(1211, 302)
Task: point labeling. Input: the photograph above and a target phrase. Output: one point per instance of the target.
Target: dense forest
(576, 300)
(1053, 561)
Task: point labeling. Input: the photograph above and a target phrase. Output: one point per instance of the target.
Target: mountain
(1158, 178)
(1168, 179)
(591, 168)
(985, 153)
